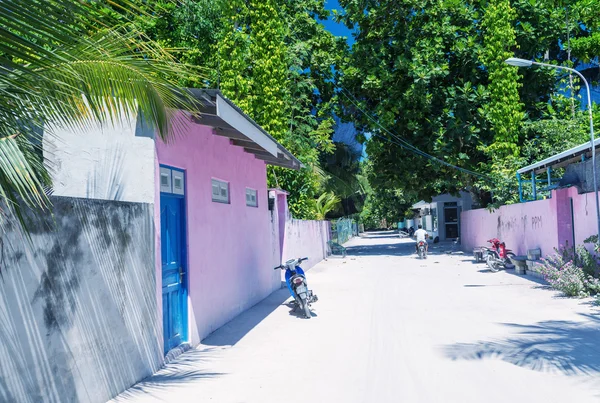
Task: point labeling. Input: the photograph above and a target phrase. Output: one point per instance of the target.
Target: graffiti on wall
(508, 224)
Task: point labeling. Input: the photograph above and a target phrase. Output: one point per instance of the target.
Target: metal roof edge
(204, 95)
(557, 157)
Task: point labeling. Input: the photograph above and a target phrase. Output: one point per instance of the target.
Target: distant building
(441, 217)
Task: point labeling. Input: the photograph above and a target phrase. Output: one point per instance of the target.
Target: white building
(441, 217)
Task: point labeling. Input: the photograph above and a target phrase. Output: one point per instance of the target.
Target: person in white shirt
(421, 235)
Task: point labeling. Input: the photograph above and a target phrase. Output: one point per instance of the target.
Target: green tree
(432, 74)
(587, 46)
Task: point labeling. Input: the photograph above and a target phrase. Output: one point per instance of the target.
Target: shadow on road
(389, 249)
(233, 331)
(184, 370)
(380, 234)
(567, 346)
(405, 248)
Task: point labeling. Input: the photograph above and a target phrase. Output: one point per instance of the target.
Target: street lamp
(514, 61)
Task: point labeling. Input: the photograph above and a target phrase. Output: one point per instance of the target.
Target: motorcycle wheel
(307, 310)
(492, 264)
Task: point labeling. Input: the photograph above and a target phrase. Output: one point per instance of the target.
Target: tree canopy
(432, 73)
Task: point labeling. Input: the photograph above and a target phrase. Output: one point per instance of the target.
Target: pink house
(214, 249)
(217, 235)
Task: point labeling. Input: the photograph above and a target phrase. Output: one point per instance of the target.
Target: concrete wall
(306, 239)
(231, 256)
(77, 303)
(584, 215)
(544, 224)
(300, 238)
(521, 226)
(109, 162)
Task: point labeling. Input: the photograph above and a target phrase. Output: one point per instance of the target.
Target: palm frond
(326, 203)
(67, 63)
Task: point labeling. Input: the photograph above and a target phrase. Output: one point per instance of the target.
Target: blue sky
(335, 28)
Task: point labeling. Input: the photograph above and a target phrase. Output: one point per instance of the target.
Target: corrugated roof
(563, 158)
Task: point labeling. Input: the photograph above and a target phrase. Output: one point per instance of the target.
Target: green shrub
(572, 271)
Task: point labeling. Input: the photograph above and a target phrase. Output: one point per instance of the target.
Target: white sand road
(391, 328)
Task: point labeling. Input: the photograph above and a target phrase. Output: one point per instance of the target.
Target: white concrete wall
(306, 239)
(77, 303)
(109, 162)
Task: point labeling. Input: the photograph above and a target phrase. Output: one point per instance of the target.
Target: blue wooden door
(174, 276)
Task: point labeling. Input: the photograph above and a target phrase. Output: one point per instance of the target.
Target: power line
(403, 143)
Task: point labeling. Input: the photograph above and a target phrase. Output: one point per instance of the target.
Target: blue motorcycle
(296, 283)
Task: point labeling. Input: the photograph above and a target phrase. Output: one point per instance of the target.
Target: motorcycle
(498, 257)
(422, 250)
(296, 282)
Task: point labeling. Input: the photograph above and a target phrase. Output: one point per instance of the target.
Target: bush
(572, 272)
(567, 278)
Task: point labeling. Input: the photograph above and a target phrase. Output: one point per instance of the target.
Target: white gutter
(239, 122)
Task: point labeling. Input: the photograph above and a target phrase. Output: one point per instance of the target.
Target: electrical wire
(403, 143)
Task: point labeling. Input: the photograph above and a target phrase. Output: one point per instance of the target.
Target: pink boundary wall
(232, 248)
(584, 214)
(544, 224)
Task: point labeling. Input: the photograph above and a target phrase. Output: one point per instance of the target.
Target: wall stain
(60, 281)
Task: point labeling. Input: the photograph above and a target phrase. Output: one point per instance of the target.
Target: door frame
(184, 255)
(452, 206)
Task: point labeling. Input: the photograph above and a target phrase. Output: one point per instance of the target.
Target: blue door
(174, 278)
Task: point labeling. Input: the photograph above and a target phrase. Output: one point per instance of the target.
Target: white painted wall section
(107, 162)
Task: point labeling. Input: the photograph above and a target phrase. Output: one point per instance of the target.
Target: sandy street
(391, 328)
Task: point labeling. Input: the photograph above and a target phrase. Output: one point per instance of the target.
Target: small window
(251, 198)
(165, 180)
(178, 182)
(220, 191)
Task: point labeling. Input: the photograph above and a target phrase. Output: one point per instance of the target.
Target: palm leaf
(326, 203)
(66, 63)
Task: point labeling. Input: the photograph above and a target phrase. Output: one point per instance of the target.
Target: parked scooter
(498, 257)
(296, 282)
(422, 250)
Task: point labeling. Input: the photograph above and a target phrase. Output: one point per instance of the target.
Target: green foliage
(191, 28)
(548, 137)
(587, 46)
(326, 203)
(344, 176)
(433, 73)
(274, 57)
(504, 109)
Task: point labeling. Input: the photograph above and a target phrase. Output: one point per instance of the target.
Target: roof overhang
(229, 121)
(562, 159)
(418, 205)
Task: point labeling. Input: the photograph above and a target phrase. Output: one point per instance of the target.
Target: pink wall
(522, 226)
(230, 253)
(544, 224)
(584, 214)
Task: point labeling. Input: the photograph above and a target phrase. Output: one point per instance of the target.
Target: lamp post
(514, 61)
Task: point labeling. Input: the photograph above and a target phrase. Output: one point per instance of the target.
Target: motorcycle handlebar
(300, 259)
